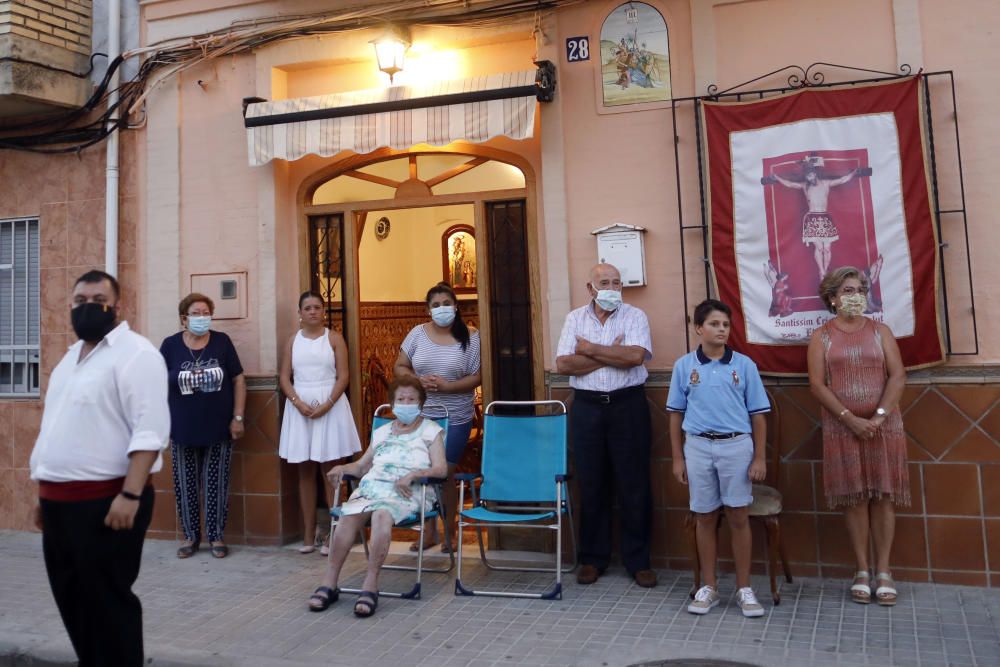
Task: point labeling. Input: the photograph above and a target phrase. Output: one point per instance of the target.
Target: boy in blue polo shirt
(716, 402)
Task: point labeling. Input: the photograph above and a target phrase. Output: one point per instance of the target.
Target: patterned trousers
(200, 470)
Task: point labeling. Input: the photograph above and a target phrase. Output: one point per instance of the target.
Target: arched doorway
(380, 229)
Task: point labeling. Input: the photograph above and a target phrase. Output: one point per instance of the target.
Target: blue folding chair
(416, 521)
(523, 484)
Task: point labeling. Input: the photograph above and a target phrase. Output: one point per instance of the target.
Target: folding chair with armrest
(524, 482)
(416, 521)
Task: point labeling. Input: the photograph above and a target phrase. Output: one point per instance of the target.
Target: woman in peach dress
(856, 373)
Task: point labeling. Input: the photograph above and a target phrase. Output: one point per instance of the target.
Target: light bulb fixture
(390, 49)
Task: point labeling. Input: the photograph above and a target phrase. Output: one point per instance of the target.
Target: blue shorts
(454, 444)
(718, 472)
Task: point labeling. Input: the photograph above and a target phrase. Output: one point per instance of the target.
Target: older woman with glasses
(856, 373)
(207, 396)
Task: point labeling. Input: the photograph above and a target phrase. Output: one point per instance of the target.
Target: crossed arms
(588, 357)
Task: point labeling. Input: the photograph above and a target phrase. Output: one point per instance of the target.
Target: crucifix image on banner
(807, 184)
(819, 194)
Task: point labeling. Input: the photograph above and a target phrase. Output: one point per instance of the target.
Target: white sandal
(886, 595)
(862, 593)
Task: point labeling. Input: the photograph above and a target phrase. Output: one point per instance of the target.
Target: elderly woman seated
(402, 451)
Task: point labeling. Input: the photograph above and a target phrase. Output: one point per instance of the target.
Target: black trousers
(611, 443)
(91, 570)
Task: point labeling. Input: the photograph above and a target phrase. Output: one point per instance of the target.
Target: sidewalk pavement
(250, 609)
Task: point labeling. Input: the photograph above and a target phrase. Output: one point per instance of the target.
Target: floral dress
(396, 455)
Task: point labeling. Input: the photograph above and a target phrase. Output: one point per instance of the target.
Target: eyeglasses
(854, 290)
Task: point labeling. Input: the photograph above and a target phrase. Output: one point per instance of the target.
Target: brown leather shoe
(645, 578)
(587, 574)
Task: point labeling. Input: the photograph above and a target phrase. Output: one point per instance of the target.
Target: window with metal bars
(20, 305)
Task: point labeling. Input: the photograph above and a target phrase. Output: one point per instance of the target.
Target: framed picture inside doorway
(458, 258)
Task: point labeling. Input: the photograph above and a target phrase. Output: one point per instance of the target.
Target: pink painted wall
(858, 32)
(752, 38)
(620, 168)
(965, 41)
(218, 213)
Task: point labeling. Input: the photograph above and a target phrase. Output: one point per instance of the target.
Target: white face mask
(199, 324)
(407, 413)
(608, 299)
(443, 316)
(853, 304)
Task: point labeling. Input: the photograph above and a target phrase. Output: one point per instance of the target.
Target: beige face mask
(853, 304)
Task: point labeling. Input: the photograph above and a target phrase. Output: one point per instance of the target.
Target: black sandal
(188, 550)
(324, 596)
(220, 550)
(366, 605)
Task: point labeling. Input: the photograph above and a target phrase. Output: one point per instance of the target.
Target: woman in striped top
(444, 355)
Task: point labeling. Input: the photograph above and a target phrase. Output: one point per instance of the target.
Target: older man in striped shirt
(602, 348)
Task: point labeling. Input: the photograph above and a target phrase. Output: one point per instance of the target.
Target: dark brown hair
(459, 329)
(705, 308)
(407, 381)
(309, 294)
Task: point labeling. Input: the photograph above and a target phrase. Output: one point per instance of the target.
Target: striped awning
(475, 110)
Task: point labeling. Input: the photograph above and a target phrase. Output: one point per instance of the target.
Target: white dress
(332, 436)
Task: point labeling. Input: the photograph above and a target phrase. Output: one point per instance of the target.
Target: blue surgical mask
(199, 324)
(406, 412)
(609, 299)
(443, 316)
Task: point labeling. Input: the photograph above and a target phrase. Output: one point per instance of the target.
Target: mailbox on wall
(227, 290)
(622, 245)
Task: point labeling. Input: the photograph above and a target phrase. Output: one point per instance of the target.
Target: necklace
(197, 360)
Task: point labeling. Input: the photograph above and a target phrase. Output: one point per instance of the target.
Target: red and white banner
(811, 181)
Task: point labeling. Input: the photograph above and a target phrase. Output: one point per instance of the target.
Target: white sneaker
(747, 601)
(706, 598)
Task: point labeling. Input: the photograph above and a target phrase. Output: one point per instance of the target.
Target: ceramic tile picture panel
(635, 59)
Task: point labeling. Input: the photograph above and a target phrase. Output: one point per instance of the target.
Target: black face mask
(92, 321)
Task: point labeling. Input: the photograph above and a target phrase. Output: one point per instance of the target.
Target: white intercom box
(623, 246)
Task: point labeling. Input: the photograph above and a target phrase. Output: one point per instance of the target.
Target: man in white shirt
(603, 348)
(105, 423)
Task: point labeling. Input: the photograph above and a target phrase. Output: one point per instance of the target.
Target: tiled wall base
(950, 534)
(263, 495)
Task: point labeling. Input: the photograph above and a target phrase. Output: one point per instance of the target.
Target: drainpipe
(111, 191)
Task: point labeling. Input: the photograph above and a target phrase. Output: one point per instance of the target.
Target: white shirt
(626, 320)
(101, 409)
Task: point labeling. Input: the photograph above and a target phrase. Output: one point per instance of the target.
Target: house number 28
(577, 49)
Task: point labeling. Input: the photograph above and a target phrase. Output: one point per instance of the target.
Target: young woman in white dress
(317, 428)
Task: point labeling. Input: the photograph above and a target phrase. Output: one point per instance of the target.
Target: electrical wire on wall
(164, 60)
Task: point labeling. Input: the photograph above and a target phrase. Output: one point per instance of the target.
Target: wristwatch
(881, 413)
(239, 418)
